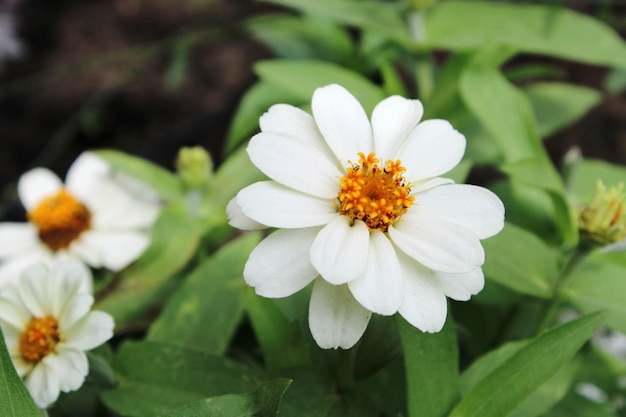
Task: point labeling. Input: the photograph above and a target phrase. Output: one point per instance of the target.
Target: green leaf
(157, 378)
(279, 337)
(556, 105)
(139, 286)
(205, 310)
(600, 285)
(586, 174)
(432, 368)
(163, 182)
(383, 18)
(507, 262)
(508, 385)
(15, 401)
(537, 29)
(263, 402)
(302, 77)
(575, 405)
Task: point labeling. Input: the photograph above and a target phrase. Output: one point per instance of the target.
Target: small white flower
(93, 218)
(362, 206)
(48, 326)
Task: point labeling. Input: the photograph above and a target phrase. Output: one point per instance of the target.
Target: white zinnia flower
(93, 218)
(47, 326)
(362, 205)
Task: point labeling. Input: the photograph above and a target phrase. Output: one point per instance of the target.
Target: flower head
(363, 213)
(93, 217)
(603, 221)
(48, 326)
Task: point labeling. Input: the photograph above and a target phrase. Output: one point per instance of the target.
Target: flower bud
(194, 166)
(603, 221)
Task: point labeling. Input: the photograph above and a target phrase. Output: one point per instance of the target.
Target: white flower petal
(461, 287)
(22, 367)
(438, 244)
(17, 238)
(475, 208)
(275, 205)
(13, 312)
(336, 319)
(297, 124)
(421, 186)
(238, 220)
(12, 268)
(279, 266)
(432, 148)
(343, 122)
(86, 174)
(37, 184)
(114, 209)
(339, 251)
(295, 165)
(380, 287)
(34, 290)
(74, 309)
(424, 303)
(43, 385)
(70, 365)
(91, 331)
(114, 250)
(392, 119)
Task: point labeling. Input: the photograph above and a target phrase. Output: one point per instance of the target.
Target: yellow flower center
(39, 338)
(377, 196)
(60, 219)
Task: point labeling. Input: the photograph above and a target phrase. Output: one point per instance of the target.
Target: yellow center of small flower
(378, 196)
(39, 338)
(60, 219)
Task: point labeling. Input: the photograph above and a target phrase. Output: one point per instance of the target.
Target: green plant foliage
(174, 240)
(578, 406)
(539, 29)
(15, 401)
(263, 402)
(432, 369)
(157, 378)
(501, 391)
(206, 309)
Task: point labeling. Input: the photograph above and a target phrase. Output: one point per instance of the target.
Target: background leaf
(206, 309)
(502, 390)
(432, 368)
(15, 400)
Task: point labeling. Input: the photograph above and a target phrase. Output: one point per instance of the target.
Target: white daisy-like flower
(363, 212)
(94, 217)
(48, 326)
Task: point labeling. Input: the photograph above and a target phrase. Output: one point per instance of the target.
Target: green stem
(424, 66)
(345, 370)
(562, 283)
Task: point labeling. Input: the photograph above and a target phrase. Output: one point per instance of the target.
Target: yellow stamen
(372, 194)
(39, 338)
(60, 219)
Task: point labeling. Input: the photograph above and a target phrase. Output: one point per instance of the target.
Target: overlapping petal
(37, 184)
(237, 219)
(339, 250)
(432, 148)
(461, 287)
(293, 164)
(392, 120)
(336, 319)
(380, 287)
(275, 205)
(280, 266)
(343, 122)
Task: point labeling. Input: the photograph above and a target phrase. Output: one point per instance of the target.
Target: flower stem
(424, 67)
(558, 289)
(345, 370)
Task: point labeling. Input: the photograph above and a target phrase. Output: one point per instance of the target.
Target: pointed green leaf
(162, 181)
(432, 368)
(206, 309)
(263, 402)
(575, 405)
(508, 385)
(539, 29)
(15, 401)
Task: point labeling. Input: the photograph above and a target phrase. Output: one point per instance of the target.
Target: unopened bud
(603, 221)
(194, 166)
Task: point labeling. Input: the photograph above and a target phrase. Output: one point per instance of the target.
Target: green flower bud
(194, 166)
(603, 221)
